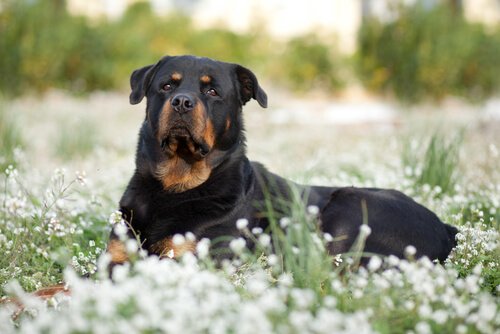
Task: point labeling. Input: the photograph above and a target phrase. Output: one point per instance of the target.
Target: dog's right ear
(140, 81)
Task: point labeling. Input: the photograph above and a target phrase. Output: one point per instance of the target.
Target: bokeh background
(411, 50)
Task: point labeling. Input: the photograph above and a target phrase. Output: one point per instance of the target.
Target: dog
(192, 174)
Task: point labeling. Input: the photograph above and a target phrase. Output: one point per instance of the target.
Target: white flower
(190, 237)
(285, 279)
(375, 263)
(241, 223)
(202, 248)
(409, 305)
(115, 217)
(120, 273)
(272, 260)
(257, 230)
(313, 210)
(337, 260)
(178, 240)
(81, 177)
(303, 298)
(392, 260)
(365, 230)
(131, 246)
(440, 316)
(423, 328)
(425, 311)
(120, 230)
(410, 251)
(284, 222)
(265, 240)
(328, 237)
(237, 245)
(257, 283)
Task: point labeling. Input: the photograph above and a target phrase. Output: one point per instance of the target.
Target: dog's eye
(212, 92)
(167, 87)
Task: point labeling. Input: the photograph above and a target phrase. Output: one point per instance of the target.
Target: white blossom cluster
(475, 244)
(167, 296)
(153, 295)
(40, 221)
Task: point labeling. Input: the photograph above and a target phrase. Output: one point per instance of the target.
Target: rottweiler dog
(192, 174)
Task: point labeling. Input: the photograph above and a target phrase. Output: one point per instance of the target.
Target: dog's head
(194, 113)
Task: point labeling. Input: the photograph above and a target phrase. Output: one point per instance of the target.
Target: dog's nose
(182, 103)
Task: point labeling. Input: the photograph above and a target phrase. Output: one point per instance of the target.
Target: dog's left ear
(140, 81)
(249, 86)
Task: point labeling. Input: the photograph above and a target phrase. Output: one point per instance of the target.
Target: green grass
(437, 164)
(76, 139)
(10, 137)
(42, 231)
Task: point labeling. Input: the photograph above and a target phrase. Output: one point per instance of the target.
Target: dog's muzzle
(180, 141)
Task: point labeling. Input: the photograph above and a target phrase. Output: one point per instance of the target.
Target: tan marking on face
(118, 251)
(176, 76)
(163, 121)
(205, 79)
(228, 123)
(167, 248)
(202, 125)
(199, 118)
(175, 174)
(209, 134)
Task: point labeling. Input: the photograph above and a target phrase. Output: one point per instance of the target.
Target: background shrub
(43, 46)
(428, 53)
(421, 53)
(308, 63)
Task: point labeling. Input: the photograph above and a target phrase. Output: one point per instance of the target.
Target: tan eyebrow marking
(205, 79)
(176, 76)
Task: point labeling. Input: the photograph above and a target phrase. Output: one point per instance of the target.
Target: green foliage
(298, 242)
(437, 165)
(40, 233)
(309, 63)
(423, 53)
(10, 138)
(429, 53)
(43, 46)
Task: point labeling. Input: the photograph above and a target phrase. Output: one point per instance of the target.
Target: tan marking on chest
(177, 176)
(167, 248)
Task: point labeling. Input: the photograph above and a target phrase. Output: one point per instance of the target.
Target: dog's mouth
(180, 141)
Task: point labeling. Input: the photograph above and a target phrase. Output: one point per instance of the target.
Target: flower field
(65, 162)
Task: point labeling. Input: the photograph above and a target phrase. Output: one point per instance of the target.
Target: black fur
(236, 188)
